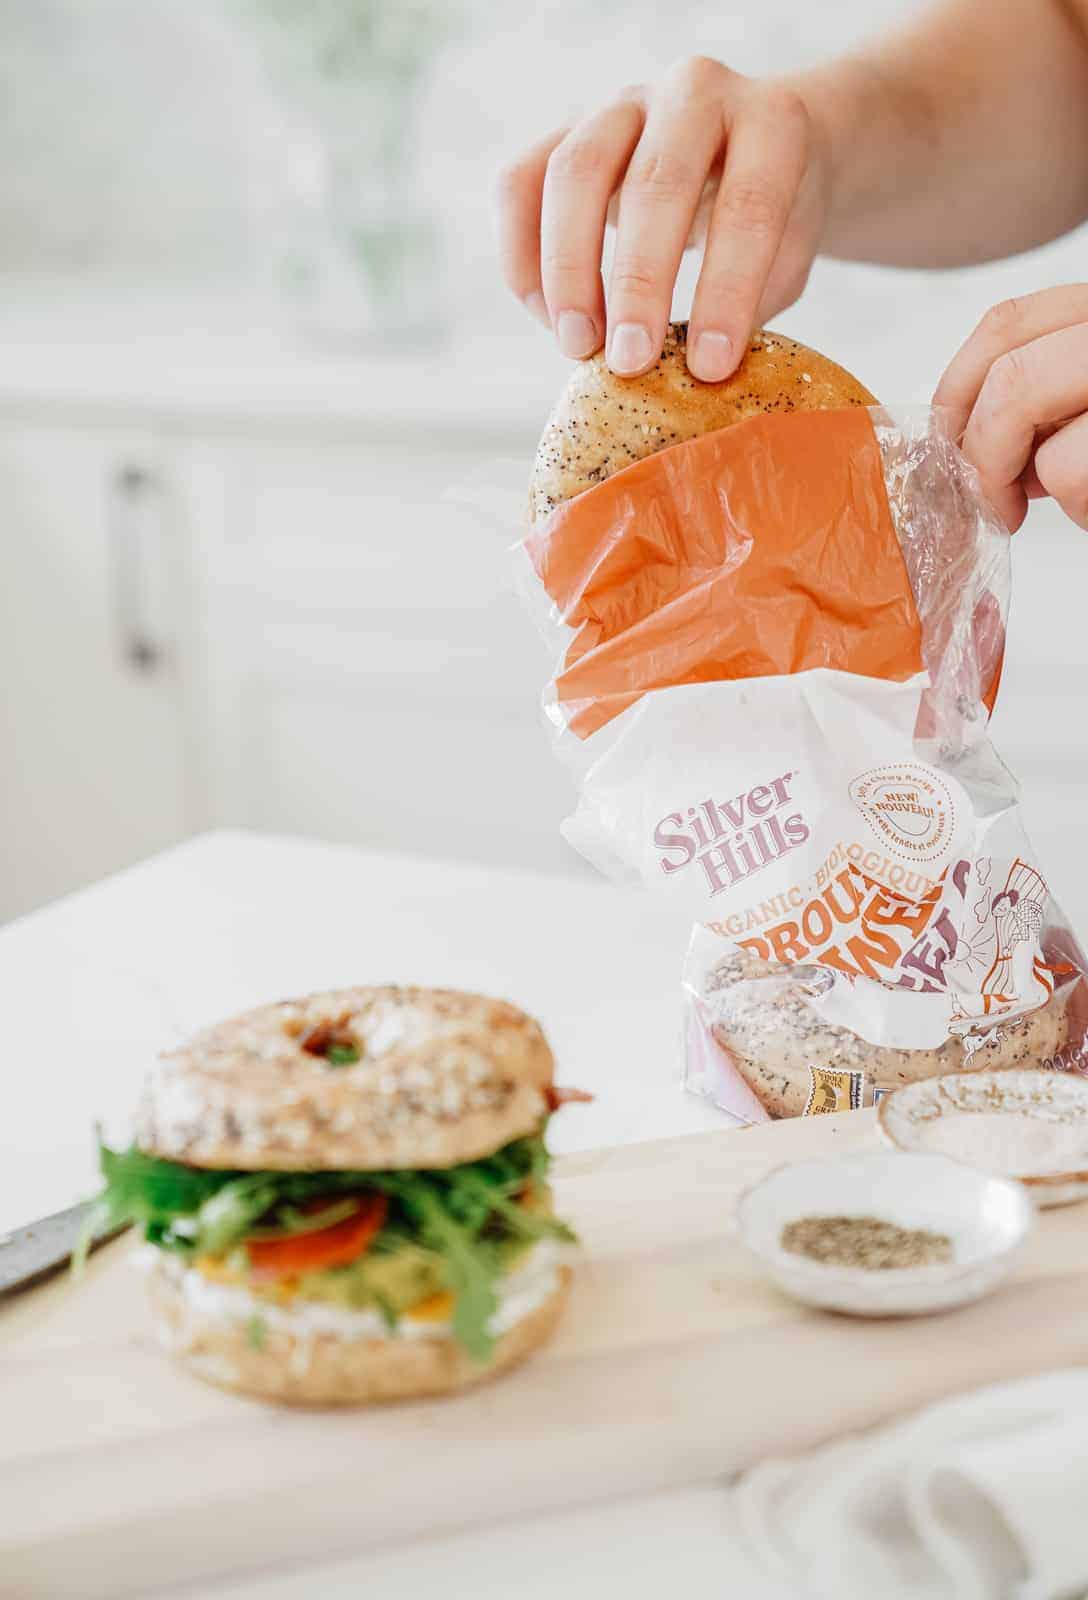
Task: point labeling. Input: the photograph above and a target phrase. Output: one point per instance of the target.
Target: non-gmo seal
(908, 807)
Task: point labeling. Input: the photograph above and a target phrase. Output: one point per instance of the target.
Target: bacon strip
(556, 1097)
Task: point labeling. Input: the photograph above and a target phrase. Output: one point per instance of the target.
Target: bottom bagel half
(764, 1018)
(235, 1341)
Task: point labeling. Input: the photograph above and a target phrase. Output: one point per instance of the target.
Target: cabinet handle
(138, 529)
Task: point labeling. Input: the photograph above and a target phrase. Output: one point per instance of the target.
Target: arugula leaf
(521, 1223)
(472, 1266)
(290, 1221)
(142, 1189)
(470, 1274)
(151, 1187)
(228, 1214)
(342, 1055)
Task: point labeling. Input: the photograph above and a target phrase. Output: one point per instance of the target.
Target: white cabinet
(264, 627)
(97, 760)
(234, 590)
(370, 676)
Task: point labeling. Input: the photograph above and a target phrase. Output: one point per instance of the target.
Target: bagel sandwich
(345, 1198)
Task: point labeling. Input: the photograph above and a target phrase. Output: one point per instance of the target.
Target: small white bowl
(1025, 1123)
(987, 1219)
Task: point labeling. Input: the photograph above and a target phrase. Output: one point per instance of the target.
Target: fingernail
(712, 357)
(630, 349)
(576, 334)
(538, 306)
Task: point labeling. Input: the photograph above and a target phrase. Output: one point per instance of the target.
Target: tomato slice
(336, 1246)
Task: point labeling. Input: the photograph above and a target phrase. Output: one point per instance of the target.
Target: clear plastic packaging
(777, 648)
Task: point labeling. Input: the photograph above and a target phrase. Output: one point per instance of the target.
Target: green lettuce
(468, 1215)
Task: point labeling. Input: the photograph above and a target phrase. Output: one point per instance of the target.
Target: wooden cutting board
(677, 1363)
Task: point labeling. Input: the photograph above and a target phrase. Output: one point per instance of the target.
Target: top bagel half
(603, 423)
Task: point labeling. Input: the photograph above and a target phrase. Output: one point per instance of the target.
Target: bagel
(299, 1365)
(345, 1197)
(441, 1077)
(764, 1019)
(602, 422)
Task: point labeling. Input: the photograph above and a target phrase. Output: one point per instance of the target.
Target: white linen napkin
(980, 1498)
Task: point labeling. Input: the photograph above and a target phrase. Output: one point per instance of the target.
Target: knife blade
(32, 1253)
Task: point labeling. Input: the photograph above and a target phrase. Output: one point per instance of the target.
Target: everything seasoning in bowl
(864, 1242)
(883, 1233)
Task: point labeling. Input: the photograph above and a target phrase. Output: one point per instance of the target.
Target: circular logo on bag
(908, 807)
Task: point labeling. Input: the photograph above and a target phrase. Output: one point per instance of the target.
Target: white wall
(144, 139)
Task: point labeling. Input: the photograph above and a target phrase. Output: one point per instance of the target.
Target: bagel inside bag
(778, 614)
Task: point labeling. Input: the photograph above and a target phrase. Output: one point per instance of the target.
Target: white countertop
(143, 357)
(97, 983)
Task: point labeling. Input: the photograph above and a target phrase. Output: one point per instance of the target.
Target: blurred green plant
(353, 40)
(357, 71)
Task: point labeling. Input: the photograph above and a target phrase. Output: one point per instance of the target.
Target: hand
(708, 154)
(1019, 391)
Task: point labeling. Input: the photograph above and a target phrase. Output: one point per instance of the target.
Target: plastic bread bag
(777, 647)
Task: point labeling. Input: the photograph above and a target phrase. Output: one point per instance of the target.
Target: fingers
(1006, 327)
(1025, 389)
(657, 163)
(521, 191)
(682, 137)
(1061, 469)
(765, 162)
(1012, 386)
(583, 171)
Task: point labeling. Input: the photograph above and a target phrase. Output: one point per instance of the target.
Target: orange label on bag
(765, 548)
